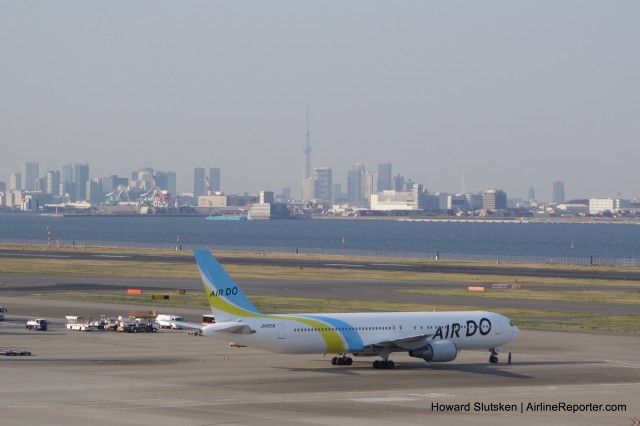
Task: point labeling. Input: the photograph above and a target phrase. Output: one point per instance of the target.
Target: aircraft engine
(440, 351)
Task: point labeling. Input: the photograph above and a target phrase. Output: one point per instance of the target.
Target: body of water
(599, 240)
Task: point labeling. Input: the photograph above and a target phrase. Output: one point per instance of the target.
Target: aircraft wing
(405, 343)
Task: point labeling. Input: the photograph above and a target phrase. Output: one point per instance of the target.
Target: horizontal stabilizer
(186, 325)
(232, 327)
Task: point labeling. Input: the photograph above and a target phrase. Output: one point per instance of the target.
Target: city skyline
(355, 184)
(508, 95)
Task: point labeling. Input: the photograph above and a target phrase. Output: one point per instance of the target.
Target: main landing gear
(343, 360)
(493, 358)
(384, 364)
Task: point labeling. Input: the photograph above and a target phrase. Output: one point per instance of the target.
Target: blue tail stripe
(220, 280)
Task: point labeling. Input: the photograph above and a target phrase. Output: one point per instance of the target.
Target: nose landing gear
(493, 358)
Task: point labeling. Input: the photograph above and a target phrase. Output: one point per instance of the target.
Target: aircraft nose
(515, 332)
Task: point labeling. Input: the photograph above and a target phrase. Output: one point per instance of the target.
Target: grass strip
(586, 296)
(149, 269)
(290, 256)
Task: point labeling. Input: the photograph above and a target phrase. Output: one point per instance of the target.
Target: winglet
(226, 299)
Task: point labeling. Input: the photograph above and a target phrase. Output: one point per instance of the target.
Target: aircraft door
(498, 325)
(282, 333)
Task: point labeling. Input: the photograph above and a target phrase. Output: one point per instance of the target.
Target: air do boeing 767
(432, 336)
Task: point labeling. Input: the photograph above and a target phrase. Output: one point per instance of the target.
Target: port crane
(209, 191)
(114, 197)
(155, 197)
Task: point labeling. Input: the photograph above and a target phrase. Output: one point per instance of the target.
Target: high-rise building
(67, 174)
(369, 184)
(355, 179)
(199, 187)
(214, 179)
(532, 193)
(30, 176)
(558, 192)
(267, 197)
(494, 199)
(52, 182)
(398, 183)
(322, 183)
(142, 179)
(408, 185)
(385, 178)
(167, 181)
(93, 191)
(15, 182)
(474, 201)
(338, 195)
(109, 184)
(81, 179)
(74, 179)
(286, 194)
(307, 189)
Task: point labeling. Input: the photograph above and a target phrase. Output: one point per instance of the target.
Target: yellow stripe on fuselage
(332, 339)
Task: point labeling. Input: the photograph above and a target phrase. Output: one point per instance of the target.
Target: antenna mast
(307, 150)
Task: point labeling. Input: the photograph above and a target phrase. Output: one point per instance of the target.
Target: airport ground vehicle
(38, 324)
(170, 321)
(79, 324)
(141, 325)
(110, 323)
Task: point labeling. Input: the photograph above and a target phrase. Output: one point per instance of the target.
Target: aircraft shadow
(497, 370)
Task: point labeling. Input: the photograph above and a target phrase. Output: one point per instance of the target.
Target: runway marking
(397, 265)
(344, 265)
(387, 399)
(433, 395)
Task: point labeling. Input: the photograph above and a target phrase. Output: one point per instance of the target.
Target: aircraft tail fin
(226, 299)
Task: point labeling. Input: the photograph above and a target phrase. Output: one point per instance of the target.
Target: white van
(170, 321)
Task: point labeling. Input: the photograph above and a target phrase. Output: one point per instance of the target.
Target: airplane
(432, 336)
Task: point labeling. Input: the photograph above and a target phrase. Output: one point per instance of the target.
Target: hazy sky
(510, 94)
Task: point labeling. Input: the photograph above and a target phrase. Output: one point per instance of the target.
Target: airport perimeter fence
(460, 257)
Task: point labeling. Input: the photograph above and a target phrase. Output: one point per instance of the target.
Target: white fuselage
(355, 332)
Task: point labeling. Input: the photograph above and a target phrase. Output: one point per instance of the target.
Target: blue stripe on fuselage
(351, 336)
